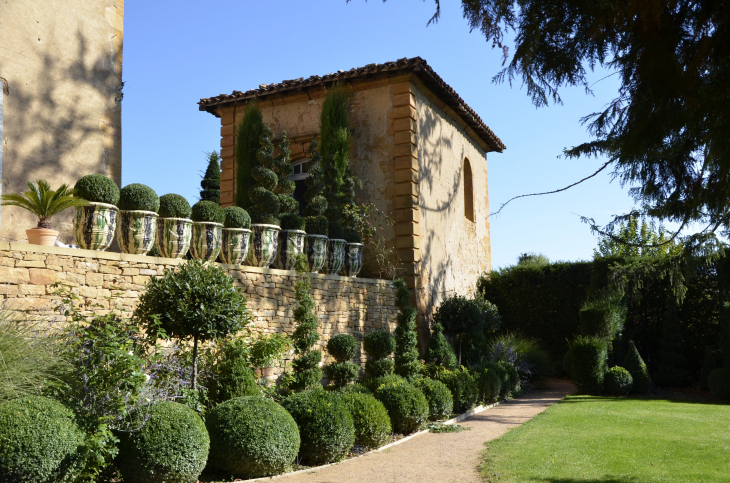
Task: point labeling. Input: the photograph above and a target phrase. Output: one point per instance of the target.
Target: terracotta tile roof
(416, 65)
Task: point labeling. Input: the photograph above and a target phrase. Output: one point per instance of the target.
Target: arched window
(468, 191)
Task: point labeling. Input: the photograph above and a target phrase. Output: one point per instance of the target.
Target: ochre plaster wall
(454, 249)
(62, 63)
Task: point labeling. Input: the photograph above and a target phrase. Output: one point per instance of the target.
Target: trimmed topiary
(463, 387)
(292, 221)
(342, 373)
(211, 182)
(174, 206)
(379, 368)
(97, 188)
(500, 369)
(325, 425)
(316, 225)
(638, 370)
(359, 388)
(207, 211)
(170, 447)
(719, 382)
(236, 217)
(342, 347)
(351, 235)
(440, 400)
(406, 405)
(252, 437)
(618, 381)
(375, 382)
(39, 441)
(407, 363)
(372, 423)
(490, 384)
(137, 196)
(379, 344)
(235, 379)
(439, 350)
(589, 356)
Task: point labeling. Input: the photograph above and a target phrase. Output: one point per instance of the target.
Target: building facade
(60, 111)
(420, 152)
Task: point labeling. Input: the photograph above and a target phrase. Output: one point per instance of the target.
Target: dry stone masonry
(30, 277)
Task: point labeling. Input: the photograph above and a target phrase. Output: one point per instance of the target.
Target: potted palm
(96, 222)
(43, 202)
(208, 220)
(174, 227)
(236, 235)
(138, 205)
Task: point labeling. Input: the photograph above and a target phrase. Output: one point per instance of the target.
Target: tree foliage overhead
(667, 132)
(644, 238)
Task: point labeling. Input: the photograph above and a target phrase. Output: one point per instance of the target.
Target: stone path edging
(455, 420)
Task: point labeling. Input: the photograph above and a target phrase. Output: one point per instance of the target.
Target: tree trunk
(195, 364)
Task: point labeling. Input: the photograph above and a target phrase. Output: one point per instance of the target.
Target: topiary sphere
(292, 221)
(137, 196)
(618, 381)
(719, 382)
(39, 440)
(208, 211)
(325, 425)
(373, 383)
(406, 406)
(342, 347)
(97, 188)
(379, 344)
(170, 447)
(359, 388)
(440, 400)
(252, 437)
(316, 225)
(174, 206)
(351, 235)
(463, 386)
(379, 368)
(236, 217)
(342, 373)
(372, 423)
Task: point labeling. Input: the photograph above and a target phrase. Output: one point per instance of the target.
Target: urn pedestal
(95, 225)
(235, 245)
(205, 243)
(264, 244)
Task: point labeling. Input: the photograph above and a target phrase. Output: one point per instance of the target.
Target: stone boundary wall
(112, 282)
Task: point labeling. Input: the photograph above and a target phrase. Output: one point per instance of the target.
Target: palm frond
(44, 202)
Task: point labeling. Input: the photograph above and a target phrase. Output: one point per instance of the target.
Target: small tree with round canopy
(198, 302)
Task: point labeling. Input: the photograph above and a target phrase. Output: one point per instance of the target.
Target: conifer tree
(315, 220)
(211, 182)
(335, 145)
(248, 142)
(288, 206)
(671, 364)
(439, 349)
(406, 339)
(307, 373)
(265, 204)
(638, 370)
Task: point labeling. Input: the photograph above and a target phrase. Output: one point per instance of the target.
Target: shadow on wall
(57, 111)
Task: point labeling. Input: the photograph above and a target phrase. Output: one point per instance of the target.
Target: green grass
(586, 439)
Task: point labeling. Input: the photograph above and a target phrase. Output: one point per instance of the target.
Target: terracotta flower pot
(205, 244)
(264, 243)
(173, 236)
(95, 225)
(353, 259)
(335, 256)
(42, 236)
(235, 245)
(137, 230)
(315, 246)
(291, 244)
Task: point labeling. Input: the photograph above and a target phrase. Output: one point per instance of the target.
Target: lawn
(587, 439)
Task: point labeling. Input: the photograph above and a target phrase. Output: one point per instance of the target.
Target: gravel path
(438, 458)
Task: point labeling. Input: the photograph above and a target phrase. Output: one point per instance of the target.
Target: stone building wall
(61, 73)
(107, 282)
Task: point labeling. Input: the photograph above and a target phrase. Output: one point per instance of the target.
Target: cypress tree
(265, 204)
(439, 349)
(671, 364)
(248, 142)
(406, 339)
(315, 220)
(288, 206)
(307, 373)
(334, 128)
(211, 182)
(638, 370)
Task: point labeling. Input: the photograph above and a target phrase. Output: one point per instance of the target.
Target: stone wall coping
(123, 257)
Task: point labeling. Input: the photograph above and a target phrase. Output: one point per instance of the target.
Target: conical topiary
(406, 339)
(439, 350)
(316, 222)
(248, 142)
(307, 373)
(265, 208)
(638, 370)
(671, 364)
(288, 206)
(211, 182)
(378, 345)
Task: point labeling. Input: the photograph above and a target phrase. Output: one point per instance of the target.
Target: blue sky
(177, 52)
